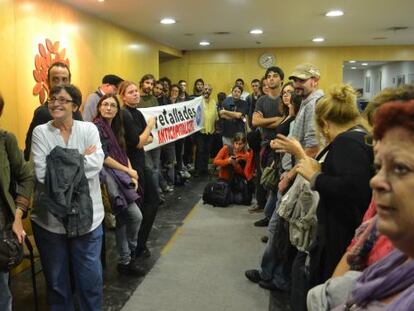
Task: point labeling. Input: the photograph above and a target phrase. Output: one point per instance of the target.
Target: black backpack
(217, 193)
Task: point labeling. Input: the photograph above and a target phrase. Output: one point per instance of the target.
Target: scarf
(387, 277)
(114, 150)
(367, 235)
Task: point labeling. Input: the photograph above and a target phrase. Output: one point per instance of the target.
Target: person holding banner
(138, 134)
(233, 114)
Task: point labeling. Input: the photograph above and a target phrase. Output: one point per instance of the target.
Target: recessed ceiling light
(256, 31)
(364, 64)
(101, 0)
(352, 61)
(353, 67)
(334, 13)
(319, 39)
(167, 21)
(204, 43)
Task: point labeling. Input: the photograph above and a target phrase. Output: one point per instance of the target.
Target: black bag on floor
(241, 191)
(217, 193)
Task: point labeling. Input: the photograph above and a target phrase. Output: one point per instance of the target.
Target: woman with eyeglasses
(121, 182)
(67, 207)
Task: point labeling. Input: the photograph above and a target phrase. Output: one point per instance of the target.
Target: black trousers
(149, 207)
(188, 150)
(203, 147)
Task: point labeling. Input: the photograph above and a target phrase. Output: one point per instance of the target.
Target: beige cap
(305, 71)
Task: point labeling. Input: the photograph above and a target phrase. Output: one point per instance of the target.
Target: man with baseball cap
(109, 87)
(273, 273)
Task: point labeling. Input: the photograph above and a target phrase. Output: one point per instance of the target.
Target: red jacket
(222, 160)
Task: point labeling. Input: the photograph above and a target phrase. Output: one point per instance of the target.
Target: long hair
(117, 123)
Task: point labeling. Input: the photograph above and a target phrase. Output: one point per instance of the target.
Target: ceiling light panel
(334, 13)
(256, 31)
(318, 39)
(167, 21)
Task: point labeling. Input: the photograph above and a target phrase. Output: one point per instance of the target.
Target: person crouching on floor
(236, 165)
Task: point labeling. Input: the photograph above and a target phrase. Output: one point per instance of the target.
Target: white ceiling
(285, 23)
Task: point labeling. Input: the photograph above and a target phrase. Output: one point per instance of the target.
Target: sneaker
(264, 239)
(142, 253)
(168, 189)
(262, 222)
(255, 209)
(185, 174)
(253, 275)
(130, 269)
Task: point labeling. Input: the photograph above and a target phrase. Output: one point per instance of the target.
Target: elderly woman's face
(61, 106)
(393, 186)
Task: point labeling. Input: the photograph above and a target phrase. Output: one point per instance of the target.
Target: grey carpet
(202, 268)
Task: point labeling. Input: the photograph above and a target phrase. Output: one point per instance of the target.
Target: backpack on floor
(217, 193)
(241, 191)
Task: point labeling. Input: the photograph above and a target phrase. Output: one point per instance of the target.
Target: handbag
(270, 177)
(11, 251)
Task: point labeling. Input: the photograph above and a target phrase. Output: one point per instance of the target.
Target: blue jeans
(152, 160)
(271, 269)
(127, 227)
(60, 256)
(5, 294)
(270, 204)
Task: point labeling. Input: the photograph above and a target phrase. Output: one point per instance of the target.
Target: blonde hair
(122, 89)
(339, 106)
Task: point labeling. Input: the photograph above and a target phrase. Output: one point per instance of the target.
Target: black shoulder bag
(11, 251)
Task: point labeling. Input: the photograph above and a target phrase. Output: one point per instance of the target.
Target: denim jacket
(66, 191)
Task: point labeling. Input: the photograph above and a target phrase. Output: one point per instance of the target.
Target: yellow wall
(222, 68)
(94, 48)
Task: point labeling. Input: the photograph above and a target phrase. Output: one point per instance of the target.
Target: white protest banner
(174, 121)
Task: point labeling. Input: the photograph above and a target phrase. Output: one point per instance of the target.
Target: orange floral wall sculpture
(47, 56)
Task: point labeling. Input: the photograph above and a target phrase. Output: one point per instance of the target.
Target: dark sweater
(345, 195)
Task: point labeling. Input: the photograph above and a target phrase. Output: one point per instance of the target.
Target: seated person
(236, 160)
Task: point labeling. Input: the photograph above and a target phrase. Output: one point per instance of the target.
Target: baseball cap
(305, 71)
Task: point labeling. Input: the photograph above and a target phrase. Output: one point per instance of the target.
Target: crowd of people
(337, 212)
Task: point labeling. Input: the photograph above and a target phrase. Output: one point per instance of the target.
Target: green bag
(270, 177)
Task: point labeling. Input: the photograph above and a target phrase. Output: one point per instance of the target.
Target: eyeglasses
(111, 105)
(60, 100)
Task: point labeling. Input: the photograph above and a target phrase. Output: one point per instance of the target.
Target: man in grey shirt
(109, 87)
(267, 116)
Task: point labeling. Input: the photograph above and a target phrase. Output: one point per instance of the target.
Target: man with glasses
(57, 74)
(109, 87)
